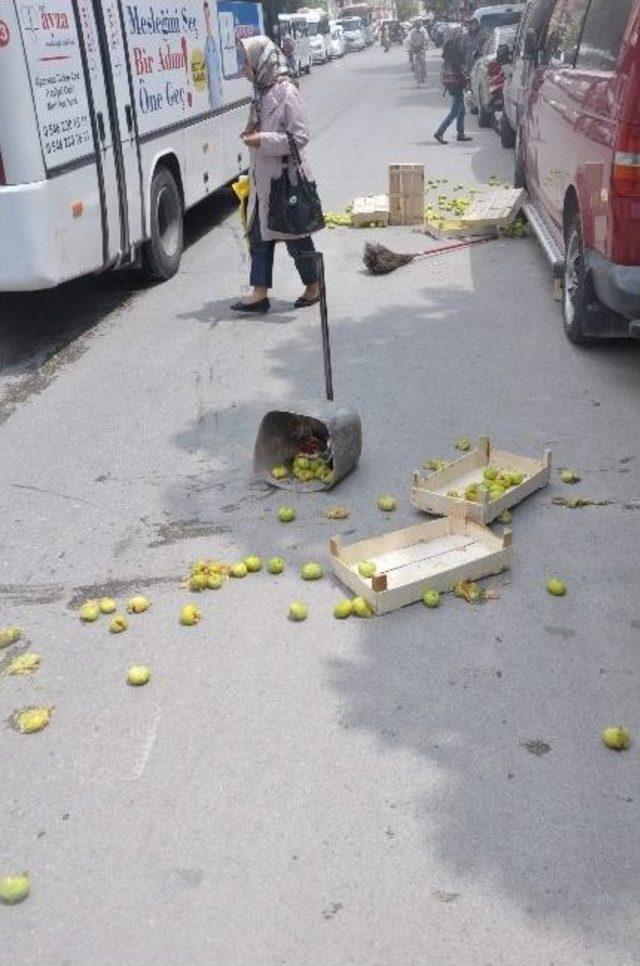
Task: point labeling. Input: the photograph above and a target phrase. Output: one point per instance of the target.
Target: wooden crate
(406, 194)
(430, 492)
(374, 209)
(434, 555)
(492, 209)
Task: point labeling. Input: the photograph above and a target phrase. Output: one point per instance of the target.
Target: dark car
(485, 84)
(578, 154)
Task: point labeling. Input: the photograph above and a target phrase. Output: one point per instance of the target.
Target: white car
(338, 45)
(319, 35)
(353, 33)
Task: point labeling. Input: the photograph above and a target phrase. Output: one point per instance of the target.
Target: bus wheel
(162, 252)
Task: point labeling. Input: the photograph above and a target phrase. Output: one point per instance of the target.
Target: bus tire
(162, 251)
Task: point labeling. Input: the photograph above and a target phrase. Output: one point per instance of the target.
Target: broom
(380, 260)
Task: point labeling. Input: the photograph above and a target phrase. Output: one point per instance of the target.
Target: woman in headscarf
(276, 112)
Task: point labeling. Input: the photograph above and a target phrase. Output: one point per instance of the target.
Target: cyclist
(418, 42)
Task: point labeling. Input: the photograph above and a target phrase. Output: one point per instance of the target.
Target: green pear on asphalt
(556, 587)
(387, 504)
(239, 570)
(343, 609)
(138, 675)
(616, 738)
(275, 565)
(431, 598)
(361, 607)
(14, 888)
(108, 605)
(138, 605)
(253, 564)
(198, 583)
(118, 624)
(286, 514)
(89, 612)
(9, 635)
(569, 476)
(189, 615)
(298, 611)
(215, 581)
(311, 571)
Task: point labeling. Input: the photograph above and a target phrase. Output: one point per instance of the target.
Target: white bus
(319, 34)
(115, 117)
(294, 25)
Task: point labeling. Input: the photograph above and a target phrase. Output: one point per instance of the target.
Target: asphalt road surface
(427, 787)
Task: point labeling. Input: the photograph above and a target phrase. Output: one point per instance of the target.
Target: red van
(578, 154)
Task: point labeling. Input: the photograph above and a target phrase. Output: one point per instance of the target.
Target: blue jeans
(455, 114)
(262, 253)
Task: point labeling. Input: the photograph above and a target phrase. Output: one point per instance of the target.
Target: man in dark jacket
(457, 57)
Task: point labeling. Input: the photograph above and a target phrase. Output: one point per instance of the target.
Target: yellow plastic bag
(241, 189)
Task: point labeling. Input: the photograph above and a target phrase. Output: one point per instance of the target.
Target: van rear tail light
(625, 178)
(493, 68)
(626, 174)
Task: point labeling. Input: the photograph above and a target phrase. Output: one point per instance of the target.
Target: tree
(407, 9)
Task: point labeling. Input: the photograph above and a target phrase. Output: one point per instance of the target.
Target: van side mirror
(503, 54)
(530, 49)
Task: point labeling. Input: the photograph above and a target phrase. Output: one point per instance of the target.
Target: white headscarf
(269, 66)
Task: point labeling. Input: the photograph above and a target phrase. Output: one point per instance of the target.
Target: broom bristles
(380, 260)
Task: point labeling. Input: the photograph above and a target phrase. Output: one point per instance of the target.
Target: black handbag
(294, 208)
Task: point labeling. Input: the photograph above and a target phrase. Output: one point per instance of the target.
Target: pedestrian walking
(457, 56)
(276, 129)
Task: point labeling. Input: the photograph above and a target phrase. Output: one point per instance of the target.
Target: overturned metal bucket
(281, 430)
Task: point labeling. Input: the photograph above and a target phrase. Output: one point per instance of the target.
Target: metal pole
(324, 323)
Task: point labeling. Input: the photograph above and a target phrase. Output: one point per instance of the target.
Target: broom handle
(453, 246)
(324, 325)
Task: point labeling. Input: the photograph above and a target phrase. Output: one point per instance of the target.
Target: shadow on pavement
(468, 690)
(34, 326)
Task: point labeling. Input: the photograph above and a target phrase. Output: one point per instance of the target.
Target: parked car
(578, 154)
(353, 33)
(485, 84)
(499, 15)
(319, 34)
(442, 30)
(518, 69)
(338, 45)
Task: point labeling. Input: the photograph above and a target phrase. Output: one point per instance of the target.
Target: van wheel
(576, 296)
(519, 172)
(507, 134)
(485, 117)
(162, 252)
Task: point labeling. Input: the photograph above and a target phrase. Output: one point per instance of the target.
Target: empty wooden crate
(443, 491)
(434, 555)
(370, 210)
(406, 194)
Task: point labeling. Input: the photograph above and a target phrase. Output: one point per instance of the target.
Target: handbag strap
(294, 153)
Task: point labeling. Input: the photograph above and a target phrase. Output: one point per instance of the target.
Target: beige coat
(281, 111)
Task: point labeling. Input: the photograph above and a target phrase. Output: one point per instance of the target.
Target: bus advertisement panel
(52, 51)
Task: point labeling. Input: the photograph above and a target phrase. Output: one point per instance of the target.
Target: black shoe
(439, 138)
(258, 308)
(303, 303)
(464, 137)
